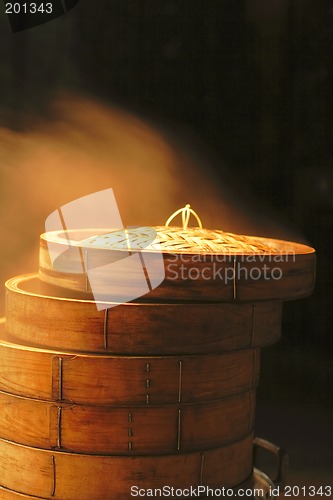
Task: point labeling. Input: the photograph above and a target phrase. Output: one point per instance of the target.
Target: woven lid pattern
(178, 240)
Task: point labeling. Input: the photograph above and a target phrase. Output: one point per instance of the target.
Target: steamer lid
(186, 263)
(178, 240)
(174, 239)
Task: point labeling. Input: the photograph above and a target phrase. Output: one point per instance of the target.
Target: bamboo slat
(120, 380)
(153, 430)
(246, 274)
(6, 494)
(67, 476)
(37, 315)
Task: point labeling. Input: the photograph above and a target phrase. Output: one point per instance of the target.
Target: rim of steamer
(174, 240)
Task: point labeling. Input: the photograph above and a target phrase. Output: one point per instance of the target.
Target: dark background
(252, 80)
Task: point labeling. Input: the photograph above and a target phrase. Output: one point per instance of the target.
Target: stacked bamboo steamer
(152, 393)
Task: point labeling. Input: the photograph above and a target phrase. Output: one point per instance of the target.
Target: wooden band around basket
(154, 430)
(120, 380)
(59, 475)
(6, 494)
(278, 276)
(37, 315)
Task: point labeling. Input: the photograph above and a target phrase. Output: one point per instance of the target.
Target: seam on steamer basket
(235, 279)
(60, 368)
(59, 418)
(253, 331)
(179, 429)
(105, 328)
(180, 381)
(201, 469)
(53, 476)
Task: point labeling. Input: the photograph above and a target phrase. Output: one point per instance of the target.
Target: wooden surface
(37, 314)
(67, 476)
(120, 380)
(149, 430)
(286, 276)
(6, 494)
(147, 394)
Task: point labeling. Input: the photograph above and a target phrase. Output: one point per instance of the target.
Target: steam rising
(88, 147)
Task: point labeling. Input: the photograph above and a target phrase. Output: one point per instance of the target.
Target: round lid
(177, 262)
(180, 241)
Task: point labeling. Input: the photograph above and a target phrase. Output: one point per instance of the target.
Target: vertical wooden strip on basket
(57, 378)
(179, 430)
(54, 476)
(55, 426)
(180, 381)
(106, 328)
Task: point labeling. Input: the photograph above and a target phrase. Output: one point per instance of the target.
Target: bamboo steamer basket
(124, 380)
(154, 392)
(52, 474)
(226, 270)
(126, 430)
(7, 494)
(45, 315)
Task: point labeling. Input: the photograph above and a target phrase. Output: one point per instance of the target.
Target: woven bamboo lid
(196, 263)
(181, 241)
